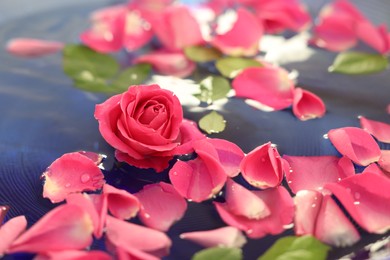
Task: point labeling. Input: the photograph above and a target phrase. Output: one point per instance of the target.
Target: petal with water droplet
(307, 105)
(120, 203)
(379, 130)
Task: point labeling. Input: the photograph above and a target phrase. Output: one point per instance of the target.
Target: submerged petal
(27, 47)
(356, 144)
(380, 130)
(307, 105)
(161, 206)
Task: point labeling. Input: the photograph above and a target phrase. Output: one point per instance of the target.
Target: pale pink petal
(307, 105)
(384, 161)
(262, 167)
(380, 130)
(270, 86)
(168, 63)
(161, 206)
(74, 255)
(229, 155)
(120, 203)
(201, 178)
(356, 144)
(125, 234)
(10, 231)
(365, 197)
(225, 236)
(177, 28)
(64, 228)
(313, 172)
(27, 47)
(307, 205)
(3, 212)
(243, 38)
(243, 202)
(72, 172)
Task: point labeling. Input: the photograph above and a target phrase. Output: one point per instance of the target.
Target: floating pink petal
(130, 253)
(356, 144)
(365, 197)
(128, 235)
(380, 130)
(377, 38)
(27, 47)
(313, 172)
(74, 255)
(225, 236)
(63, 228)
(280, 205)
(161, 206)
(10, 231)
(229, 155)
(95, 157)
(243, 202)
(120, 203)
(201, 178)
(72, 172)
(320, 216)
(270, 86)
(384, 161)
(374, 168)
(243, 38)
(262, 167)
(177, 28)
(168, 63)
(137, 29)
(307, 105)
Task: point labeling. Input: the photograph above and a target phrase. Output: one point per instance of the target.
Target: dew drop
(146, 215)
(338, 179)
(249, 231)
(357, 195)
(289, 182)
(189, 200)
(85, 178)
(313, 205)
(291, 170)
(175, 173)
(325, 136)
(67, 185)
(356, 202)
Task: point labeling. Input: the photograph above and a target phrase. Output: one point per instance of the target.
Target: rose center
(153, 116)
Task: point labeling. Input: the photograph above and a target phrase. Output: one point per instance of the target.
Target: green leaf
(296, 248)
(212, 123)
(213, 88)
(134, 75)
(231, 66)
(219, 253)
(79, 60)
(358, 63)
(202, 54)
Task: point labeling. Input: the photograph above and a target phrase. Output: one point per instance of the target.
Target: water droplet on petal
(249, 231)
(325, 136)
(356, 202)
(313, 205)
(67, 185)
(146, 215)
(85, 178)
(357, 195)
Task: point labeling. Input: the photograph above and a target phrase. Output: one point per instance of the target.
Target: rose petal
(267, 85)
(313, 172)
(189, 133)
(384, 161)
(243, 202)
(280, 204)
(176, 28)
(137, 29)
(10, 231)
(72, 172)
(120, 203)
(377, 38)
(161, 206)
(380, 130)
(243, 38)
(307, 205)
(168, 63)
(229, 155)
(355, 144)
(374, 168)
(262, 167)
(365, 197)
(125, 234)
(74, 255)
(225, 236)
(158, 163)
(307, 105)
(130, 253)
(95, 157)
(64, 228)
(26, 47)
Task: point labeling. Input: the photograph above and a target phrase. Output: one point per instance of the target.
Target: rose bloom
(145, 125)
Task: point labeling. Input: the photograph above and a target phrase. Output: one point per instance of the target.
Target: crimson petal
(379, 130)
(356, 144)
(10, 231)
(120, 203)
(307, 105)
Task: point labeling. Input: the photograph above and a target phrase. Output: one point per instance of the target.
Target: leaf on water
(213, 88)
(357, 63)
(231, 66)
(217, 253)
(202, 54)
(212, 123)
(133, 75)
(292, 247)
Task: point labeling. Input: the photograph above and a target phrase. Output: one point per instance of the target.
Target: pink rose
(145, 125)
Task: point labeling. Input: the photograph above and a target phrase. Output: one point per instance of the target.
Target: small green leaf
(296, 248)
(202, 54)
(219, 253)
(358, 63)
(134, 75)
(92, 85)
(212, 123)
(231, 66)
(213, 88)
(79, 59)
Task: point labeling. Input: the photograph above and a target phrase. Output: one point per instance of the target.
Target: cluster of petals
(341, 26)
